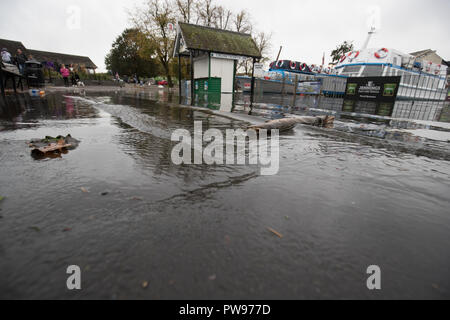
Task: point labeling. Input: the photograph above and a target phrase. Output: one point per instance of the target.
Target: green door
(205, 85)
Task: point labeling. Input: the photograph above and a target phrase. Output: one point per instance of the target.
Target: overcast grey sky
(305, 28)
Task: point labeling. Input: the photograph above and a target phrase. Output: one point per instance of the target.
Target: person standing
(77, 78)
(65, 73)
(72, 79)
(21, 58)
(6, 56)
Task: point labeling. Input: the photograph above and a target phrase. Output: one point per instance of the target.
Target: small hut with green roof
(214, 54)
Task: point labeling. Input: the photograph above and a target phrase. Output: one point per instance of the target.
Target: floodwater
(372, 191)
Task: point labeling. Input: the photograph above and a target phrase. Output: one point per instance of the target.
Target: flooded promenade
(371, 191)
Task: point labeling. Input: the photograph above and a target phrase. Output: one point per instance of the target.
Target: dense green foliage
(342, 49)
(131, 54)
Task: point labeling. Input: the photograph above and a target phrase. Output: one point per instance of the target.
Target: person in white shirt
(6, 56)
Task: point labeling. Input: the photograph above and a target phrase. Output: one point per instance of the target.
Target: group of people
(135, 79)
(19, 59)
(72, 73)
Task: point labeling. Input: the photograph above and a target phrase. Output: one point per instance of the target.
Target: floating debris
(145, 284)
(36, 93)
(104, 193)
(34, 229)
(279, 235)
(287, 124)
(84, 190)
(212, 277)
(51, 145)
(1, 198)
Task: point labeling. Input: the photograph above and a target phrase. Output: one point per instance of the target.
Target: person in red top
(65, 74)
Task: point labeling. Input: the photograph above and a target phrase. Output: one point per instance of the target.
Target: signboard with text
(259, 72)
(227, 56)
(382, 89)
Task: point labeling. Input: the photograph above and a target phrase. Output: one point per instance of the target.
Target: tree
(342, 49)
(185, 9)
(263, 42)
(129, 56)
(206, 13)
(152, 20)
(223, 17)
(242, 22)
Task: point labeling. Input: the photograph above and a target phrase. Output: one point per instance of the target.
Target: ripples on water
(344, 199)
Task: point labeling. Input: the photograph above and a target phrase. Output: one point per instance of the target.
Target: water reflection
(22, 108)
(147, 126)
(273, 106)
(338, 204)
(419, 123)
(414, 110)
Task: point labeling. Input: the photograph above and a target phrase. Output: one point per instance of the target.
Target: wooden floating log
(279, 235)
(52, 147)
(289, 123)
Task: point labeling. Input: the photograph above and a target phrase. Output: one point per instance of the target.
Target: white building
(214, 54)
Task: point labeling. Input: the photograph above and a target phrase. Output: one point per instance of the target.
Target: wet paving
(372, 191)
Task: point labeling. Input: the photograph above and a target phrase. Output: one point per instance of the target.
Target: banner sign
(383, 89)
(309, 87)
(227, 56)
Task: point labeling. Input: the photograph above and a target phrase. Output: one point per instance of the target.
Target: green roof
(218, 40)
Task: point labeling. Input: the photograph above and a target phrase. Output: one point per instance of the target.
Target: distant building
(431, 55)
(447, 63)
(215, 54)
(49, 59)
(427, 55)
(12, 46)
(62, 58)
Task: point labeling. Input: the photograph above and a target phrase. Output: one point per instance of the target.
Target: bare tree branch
(223, 17)
(185, 9)
(263, 42)
(206, 12)
(242, 22)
